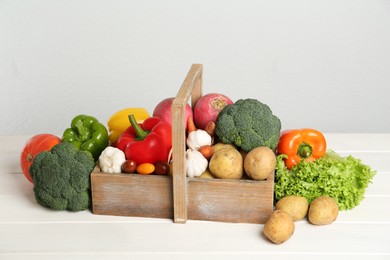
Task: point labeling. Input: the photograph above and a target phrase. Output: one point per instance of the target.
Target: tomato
(35, 145)
(161, 168)
(129, 166)
(145, 168)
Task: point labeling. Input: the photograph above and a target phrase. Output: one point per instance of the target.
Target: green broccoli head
(248, 123)
(61, 178)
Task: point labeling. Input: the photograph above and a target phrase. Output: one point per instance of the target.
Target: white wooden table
(29, 231)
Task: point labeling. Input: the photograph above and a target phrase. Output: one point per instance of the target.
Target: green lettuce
(343, 178)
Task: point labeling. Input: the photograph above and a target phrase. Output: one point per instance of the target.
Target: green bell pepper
(87, 134)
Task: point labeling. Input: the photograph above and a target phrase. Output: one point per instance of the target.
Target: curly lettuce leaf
(343, 178)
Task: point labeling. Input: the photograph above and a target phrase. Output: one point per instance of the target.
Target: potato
(206, 175)
(323, 210)
(260, 163)
(296, 206)
(226, 163)
(279, 227)
(219, 146)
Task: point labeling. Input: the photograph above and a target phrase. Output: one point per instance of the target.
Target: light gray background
(320, 64)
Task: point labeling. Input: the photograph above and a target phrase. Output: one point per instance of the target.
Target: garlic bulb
(198, 138)
(196, 164)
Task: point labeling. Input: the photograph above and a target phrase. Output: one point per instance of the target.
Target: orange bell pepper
(301, 144)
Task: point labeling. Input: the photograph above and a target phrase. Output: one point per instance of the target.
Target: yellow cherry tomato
(145, 168)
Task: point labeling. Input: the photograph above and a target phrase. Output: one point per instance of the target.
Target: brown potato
(226, 163)
(219, 146)
(323, 210)
(260, 163)
(296, 206)
(279, 227)
(206, 174)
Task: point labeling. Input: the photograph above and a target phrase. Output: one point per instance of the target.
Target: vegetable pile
(238, 141)
(342, 178)
(224, 140)
(314, 182)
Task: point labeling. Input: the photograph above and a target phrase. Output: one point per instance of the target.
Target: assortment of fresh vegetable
(224, 139)
(315, 186)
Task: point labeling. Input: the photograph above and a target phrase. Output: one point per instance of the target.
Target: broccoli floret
(248, 123)
(61, 178)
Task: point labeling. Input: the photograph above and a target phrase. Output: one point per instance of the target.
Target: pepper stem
(140, 133)
(305, 150)
(82, 131)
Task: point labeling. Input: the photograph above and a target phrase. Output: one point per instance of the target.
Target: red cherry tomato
(35, 145)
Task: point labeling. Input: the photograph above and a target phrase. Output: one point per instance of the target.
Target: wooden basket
(180, 197)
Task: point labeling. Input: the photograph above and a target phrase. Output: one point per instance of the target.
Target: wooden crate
(180, 197)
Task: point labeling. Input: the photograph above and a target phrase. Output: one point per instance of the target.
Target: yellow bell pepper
(119, 121)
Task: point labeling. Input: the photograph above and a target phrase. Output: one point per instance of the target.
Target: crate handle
(191, 87)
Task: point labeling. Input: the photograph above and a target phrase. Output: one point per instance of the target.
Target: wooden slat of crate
(239, 201)
(236, 201)
(131, 195)
(190, 89)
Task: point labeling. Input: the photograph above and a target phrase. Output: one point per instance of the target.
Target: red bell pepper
(148, 142)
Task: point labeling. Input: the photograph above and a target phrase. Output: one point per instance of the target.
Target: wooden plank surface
(218, 239)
